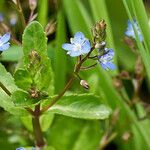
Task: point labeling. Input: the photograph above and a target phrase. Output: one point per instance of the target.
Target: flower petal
(103, 65)
(110, 65)
(4, 47)
(74, 53)
(86, 47)
(67, 46)
(5, 38)
(110, 53)
(79, 37)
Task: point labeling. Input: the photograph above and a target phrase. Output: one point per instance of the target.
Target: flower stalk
(37, 128)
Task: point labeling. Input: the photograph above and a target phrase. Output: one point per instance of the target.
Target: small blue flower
(13, 19)
(130, 30)
(79, 45)
(4, 44)
(20, 148)
(1, 17)
(105, 59)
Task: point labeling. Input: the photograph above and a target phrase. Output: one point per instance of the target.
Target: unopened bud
(99, 31)
(129, 42)
(102, 24)
(100, 45)
(14, 1)
(50, 27)
(126, 136)
(34, 93)
(84, 84)
(32, 4)
(124, 75)
(139, 68)
(117, 83)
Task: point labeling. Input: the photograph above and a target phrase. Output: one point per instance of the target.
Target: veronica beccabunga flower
(4, 42)
(106, 58)
(130, 31)
(1, 17)
(79, 45)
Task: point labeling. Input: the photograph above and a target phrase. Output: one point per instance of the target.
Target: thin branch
(88, 67)
(59, 96)
(21, 14)
(68, 85)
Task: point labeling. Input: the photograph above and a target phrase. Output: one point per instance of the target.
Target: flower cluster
(4, 42)
(130, 31)
(80, 45)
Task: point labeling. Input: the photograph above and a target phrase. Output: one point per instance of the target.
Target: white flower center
(77, 47)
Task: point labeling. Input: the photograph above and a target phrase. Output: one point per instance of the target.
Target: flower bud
(117, 83)
(124, 75)
(13, 19)
(84, 84)
(99, 32)
(50, 27)
(102, 25)
(129, 42)
(32, 4)
(14, 1)
(34, 93)
(126, 136)
(100, 45)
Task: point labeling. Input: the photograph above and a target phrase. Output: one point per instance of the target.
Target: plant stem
(68, 85)
(37, 128)
(21, 14)
(60, 95)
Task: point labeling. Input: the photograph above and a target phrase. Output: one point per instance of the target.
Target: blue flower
(4, 44)
(79, 45)
(130, 30)
(1, 17)
(20, 148)
(106, 58)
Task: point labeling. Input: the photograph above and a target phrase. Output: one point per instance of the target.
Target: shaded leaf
(13, 54)
(85, 106)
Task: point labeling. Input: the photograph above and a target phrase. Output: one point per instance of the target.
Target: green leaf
(23, 79)
(8, 105)
(22, 98)
(7, 80)
(13, 54)
(43, 11)
(85, 106)
(90, 129)
(5, 100)
(60, 54)
(35, 57)
(74, 133)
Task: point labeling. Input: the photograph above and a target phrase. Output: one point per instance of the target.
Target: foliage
(45, 100)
